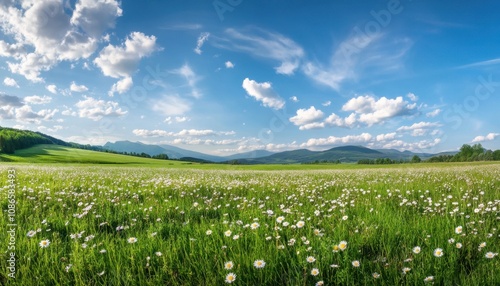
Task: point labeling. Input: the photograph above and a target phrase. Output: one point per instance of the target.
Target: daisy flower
(375, 275)
(416, 249)
(132, 240)
(259, 263)
(230, 277)
(356, 263)
(438, 252)
(490, 255)
(208, 232)
(320, 283)
(31, 233)
(44, 243)
(343, 245)
(227, 233)
(335, 248)
(310, 259)
(228, 265)
(300, 224)
(458, 245)
(158, 253)
(429, 279)
(254, 225)
(406, 270)
(458, 229)
(280, 219)
(314, 272)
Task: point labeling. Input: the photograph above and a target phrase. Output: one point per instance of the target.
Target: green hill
(50, 153)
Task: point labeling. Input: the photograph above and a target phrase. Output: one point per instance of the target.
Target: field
(173, 225)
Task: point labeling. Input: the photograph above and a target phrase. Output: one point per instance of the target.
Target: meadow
(121, 225)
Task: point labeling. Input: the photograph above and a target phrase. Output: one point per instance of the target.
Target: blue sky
(230, 76)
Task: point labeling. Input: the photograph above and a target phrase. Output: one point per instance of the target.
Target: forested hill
(15, 139)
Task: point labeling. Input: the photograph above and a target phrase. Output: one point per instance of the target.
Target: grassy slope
(61, 154)
(49, 154)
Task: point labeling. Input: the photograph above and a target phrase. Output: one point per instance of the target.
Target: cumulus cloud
(96, 109)
(433, 113)
(46, 28)
(78, 88)
(386, 137)
(265, 44)
(199, 43)
(411, 146)
(122, 61)
(229, 65)
(35, 99)
(294, 99)
(420, 129)
(412, 96)
(333, 140)
(489, 137)
(372, 111)
(121, 86)
(52, 88)
(305, 118)
(182, 133)
(264, 93)
(177, 119)
(10, 82)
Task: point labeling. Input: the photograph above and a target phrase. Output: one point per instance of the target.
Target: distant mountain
(135, 147)
(249, 155)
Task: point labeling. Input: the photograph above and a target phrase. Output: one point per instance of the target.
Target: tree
(416, 159)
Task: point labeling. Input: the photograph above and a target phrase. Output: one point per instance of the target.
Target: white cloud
(35, 99)
(53, 34)
(10, 82)
(372, 111)
(52, 88)
(326, 103)
(199, 43)
(191, 78)
(412, 146)
(489, 137)
(420, 129)
(26, 114)
(177, 119)
(229, 65)
(97, 109)
(264, 93)
(385, 137)
(183, 133)
(265, 44)
(332, 140)
(433, 113)
(412, 96)
(294, 99)
(305, 118)
(121, 86)
(170, 105)
(78, 88)
(122, 61)
(8, 105)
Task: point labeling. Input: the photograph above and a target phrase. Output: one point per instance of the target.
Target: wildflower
(208, 232)
(230, 277)
(451, 240)
(259, 263)
(458, 229)
(31, 233)
(228, 265)
(314, 272)
(458, 245)
(310, 259)
(375, 275)
(406, 270)
(300, 224)
(280, 219)
(158, 253)
(416, 249)
(345, 217)
(490, 255)
(429, 279)
(438, 252)
(343, 245)
(355, 263)
(236, 236)
(254, 225)
(102, 273)
(320, 283)
(68, 267)
(44, 243)
(334, 266)
(335, 248)
(132, 240)
(483, 244)
(227, 233)
(102, 251)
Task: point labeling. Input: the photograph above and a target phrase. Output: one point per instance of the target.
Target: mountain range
(346, 154)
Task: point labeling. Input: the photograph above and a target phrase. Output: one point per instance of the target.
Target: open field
(121, 225)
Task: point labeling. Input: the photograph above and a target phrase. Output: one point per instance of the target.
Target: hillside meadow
(133, 224)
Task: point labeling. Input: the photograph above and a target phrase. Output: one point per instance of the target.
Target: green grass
(382, 214)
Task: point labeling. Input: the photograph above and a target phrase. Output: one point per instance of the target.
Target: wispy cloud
(264, 44)
(481, 64)
(199, 43)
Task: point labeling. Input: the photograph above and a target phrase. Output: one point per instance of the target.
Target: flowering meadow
(105, 225)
